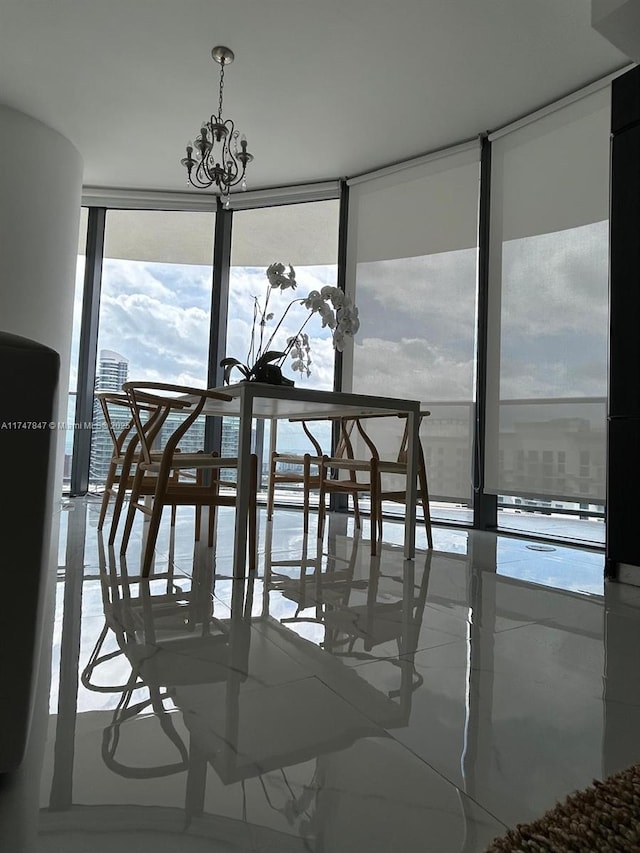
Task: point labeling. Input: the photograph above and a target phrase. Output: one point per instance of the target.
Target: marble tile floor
(335, 702)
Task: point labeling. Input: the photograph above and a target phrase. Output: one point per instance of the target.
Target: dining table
(255, 400)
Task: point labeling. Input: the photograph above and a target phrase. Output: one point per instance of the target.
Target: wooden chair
(204, 488)
(346, 461)
(399, 469)
(304, 469)
(297, 470)
(118, 418)
(365, 477)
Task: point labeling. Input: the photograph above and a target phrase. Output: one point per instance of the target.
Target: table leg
(413, 437)
(243, 496)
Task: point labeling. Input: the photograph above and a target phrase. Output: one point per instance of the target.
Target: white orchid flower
(336, 310)
(328, 317)
(314, 301)
(278, 279)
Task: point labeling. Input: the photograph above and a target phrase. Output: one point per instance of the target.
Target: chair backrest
(164, 398)
(345, 429)
(123, 431)
(382, 438)
(119, 431)
(402, 452)
(314, 441)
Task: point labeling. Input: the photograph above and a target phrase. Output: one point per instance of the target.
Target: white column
(40, 199)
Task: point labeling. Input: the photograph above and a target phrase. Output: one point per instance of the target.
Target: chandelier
(219, 154)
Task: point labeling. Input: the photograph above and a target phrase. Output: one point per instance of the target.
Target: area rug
(604, 818)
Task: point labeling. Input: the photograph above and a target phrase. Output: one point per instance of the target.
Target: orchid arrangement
(334, 307)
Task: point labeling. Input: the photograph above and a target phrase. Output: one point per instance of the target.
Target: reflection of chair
(118, 419)
(355, 628)
(194, 491)
(365, 477)
(169, 637)
(246, 686)
(308, 589)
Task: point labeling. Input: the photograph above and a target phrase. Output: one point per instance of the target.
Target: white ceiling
(322, 88)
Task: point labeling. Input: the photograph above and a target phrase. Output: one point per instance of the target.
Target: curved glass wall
(412, 269)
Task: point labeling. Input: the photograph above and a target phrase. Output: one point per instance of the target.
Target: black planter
(271, 374)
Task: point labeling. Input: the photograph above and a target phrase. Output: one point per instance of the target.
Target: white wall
(619, 22)
(40, 197)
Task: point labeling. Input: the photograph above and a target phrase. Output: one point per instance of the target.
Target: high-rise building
(113, 370)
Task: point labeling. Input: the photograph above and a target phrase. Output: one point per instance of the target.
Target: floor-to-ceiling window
(305, 237)
(412, 268)
(547, 379)
(155, 307)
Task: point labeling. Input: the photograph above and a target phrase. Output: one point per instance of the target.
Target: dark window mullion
(485, 506)
(88, 350)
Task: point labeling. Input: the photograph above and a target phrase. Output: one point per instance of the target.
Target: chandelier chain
(221, 88)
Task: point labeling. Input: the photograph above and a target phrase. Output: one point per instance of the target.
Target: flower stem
(293, 340)
(253, 331)
(263, 320)
(293, 302)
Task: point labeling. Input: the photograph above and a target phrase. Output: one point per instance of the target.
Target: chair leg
(356, 502)
(306, 489)
(211, 525)
(125, 476)
(133, 501)
(103, 509)
(376, 509)
(426, 509)
(111, 478)
(198, 507)
(215, 487)
(253, 512)
(272, 487)
(175, 477)
(324, 473)
(152, 536)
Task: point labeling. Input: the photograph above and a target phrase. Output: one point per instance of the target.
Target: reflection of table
(274, 402)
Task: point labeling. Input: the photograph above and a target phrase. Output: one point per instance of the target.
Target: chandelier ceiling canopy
(219, 155)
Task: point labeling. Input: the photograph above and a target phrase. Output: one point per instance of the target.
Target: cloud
(122, 277)
(552, 323)
(433, 297)
(557, 283)
(160, 341)
(411, 368)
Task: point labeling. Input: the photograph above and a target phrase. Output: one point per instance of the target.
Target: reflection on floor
(336, 702)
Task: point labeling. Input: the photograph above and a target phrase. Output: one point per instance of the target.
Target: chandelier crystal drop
(219, 153)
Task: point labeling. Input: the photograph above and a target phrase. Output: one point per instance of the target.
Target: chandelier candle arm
(214, 157)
